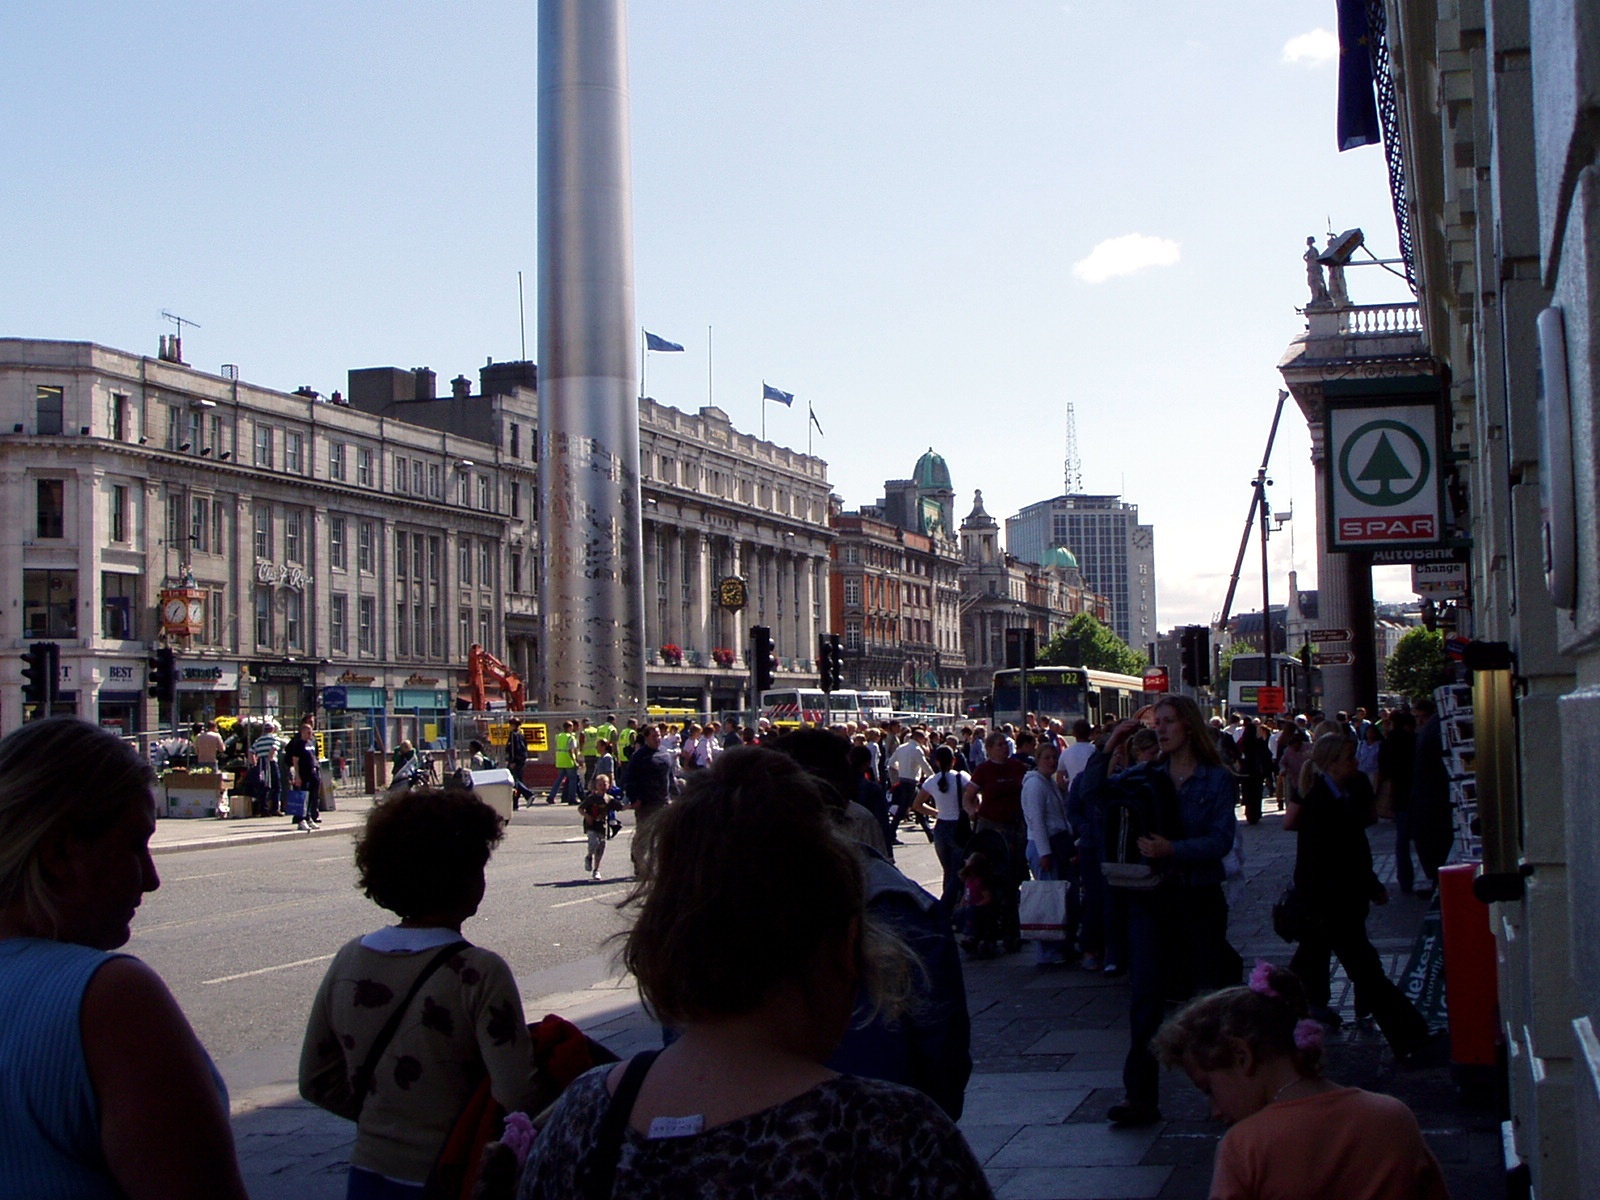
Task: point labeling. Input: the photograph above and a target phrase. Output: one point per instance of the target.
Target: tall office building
(1115, 553)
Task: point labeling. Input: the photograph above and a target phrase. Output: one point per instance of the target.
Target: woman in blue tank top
(104, 1089)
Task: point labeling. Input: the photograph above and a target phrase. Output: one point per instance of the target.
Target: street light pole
(1268, 676)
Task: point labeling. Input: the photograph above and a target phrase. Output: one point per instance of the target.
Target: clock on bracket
(176, 611)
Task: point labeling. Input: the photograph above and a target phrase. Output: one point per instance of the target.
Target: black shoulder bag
(597, 1174)
(361, 1081)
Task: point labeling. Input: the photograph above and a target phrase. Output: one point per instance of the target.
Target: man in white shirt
(908, 767)
(1079, 751)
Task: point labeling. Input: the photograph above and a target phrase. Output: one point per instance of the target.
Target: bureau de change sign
(1383, 474)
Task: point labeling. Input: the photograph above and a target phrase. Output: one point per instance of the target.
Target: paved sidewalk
(174, 834)
(1047, 1048)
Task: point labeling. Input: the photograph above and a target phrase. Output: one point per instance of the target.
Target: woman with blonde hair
(104, 1089)
(1335, 886)
(751, 938)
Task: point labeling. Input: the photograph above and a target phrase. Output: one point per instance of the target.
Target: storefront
(421, 714)
(206, 690)
(278, 689)
(355, 709)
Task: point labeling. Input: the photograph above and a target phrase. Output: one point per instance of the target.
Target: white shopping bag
(1044, 910)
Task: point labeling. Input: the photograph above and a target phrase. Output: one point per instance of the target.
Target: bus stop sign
(1155, 680)
(1270, 699)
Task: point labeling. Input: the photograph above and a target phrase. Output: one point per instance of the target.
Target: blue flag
(652, 342)
(1358, 105)
(768, 392)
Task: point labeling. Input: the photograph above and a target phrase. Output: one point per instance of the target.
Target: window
(49, 604)
(852, 555)
(216, 610)
(852, 635)
(193, 425)
(294, 608)
(338, 622)
(402, 630)
(119, 513)
(486, 563)
(263, 445)
(483, 492)
(417, 466)
(435, 555)
(516, 570)
(219, 527)
(464, 628)
(294, 453)
(435, 481)
(200, 524)
(263, 611)
(416, 557)
(174, 427)
(263, 531)
(419, 642)
(400, 553)
(363, 466)
(117, 600)
(516, 499)
(368, 634)
(366, 536)
(402, 474)
(174, 518)
(516, 440)
(852, 591)
(52, 508)
(47, 403)
(119, 417)
(336, 539)
(483, 629)
(336, 461)
(463, 488)
(216, 442)
(294, 545)
(465, 563)
(435, 632)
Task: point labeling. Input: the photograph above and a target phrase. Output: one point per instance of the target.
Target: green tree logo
(1384, 466)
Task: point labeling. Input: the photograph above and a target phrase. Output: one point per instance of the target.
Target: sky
(937, 224)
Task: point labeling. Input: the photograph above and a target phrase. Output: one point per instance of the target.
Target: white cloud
(1314, 49)
(1125, 255)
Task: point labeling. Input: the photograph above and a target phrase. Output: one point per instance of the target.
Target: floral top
(845, 1139)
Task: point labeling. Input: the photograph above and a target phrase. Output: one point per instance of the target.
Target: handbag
(294, 802)
(1289, 915)
(1043, 910)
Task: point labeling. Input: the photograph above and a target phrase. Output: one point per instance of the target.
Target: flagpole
(812, 421)
(763, 412)
(644, 357)
(709, 400)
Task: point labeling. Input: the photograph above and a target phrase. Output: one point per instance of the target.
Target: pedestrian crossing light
(41, 667)
(763, 659)
(163, 669)
(830, 661)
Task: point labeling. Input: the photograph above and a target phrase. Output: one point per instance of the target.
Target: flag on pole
(814, 420)
(1358, 106)
(652, 342)
(768, 392)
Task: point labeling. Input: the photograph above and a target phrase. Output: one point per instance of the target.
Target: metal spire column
(592, 561)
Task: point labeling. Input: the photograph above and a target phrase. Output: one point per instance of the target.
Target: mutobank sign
(1383, 468)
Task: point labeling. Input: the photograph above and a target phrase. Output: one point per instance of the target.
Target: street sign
(1328, 635)
(1399, 556)
(1155, 680)
(1271, 699)
(1336, 658)
(1384, 482)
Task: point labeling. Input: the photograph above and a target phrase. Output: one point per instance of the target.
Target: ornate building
(999, 591)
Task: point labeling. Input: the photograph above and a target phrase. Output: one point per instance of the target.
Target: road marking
(190, 878)
(331, 858)
(587, 899)
(276, 905)
(302, 962)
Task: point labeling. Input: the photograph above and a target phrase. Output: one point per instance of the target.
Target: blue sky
(938, 223)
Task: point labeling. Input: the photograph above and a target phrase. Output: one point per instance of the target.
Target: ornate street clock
(732, 594)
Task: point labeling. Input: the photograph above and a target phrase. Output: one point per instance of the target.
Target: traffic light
(1020, 648)
(1194, 655)
(1202, 654)
(1186, 655)
(163, 676)
(763, 659)
(40, 670)
(830, 661)
(1305, 656)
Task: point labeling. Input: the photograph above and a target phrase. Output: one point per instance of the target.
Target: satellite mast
(1074, 466)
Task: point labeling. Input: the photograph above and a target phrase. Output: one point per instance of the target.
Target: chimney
(426, 387)
(461, 387)
(171, 349)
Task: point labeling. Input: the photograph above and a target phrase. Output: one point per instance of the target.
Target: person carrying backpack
(1178, 921)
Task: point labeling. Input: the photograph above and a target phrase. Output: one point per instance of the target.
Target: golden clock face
(731, 593)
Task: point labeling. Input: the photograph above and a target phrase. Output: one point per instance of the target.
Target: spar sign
(1383, 474)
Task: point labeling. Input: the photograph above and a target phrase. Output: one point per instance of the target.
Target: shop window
(49, 604)
(117, 598)
(52, 494)
(47, 403)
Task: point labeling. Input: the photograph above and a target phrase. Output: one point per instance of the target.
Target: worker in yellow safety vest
(567, 781)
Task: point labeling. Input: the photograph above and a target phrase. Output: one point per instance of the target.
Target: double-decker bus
(1066, 694)
(1247, 672)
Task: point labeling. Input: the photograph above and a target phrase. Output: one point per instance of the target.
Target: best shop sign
(1383, 475)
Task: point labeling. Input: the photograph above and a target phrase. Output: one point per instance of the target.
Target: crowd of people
(811, 996)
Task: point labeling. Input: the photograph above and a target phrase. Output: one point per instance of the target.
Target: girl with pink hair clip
(1295, 1135)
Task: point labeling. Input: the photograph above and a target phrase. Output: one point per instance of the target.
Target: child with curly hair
(1294, 1134)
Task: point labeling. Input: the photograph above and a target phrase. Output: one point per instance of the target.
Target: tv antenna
(180, 322)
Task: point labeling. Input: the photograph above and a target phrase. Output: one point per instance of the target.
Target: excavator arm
(483, 667)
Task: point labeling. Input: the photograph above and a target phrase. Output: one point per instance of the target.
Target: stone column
(700, 611)
(654, 633)
(672, 551)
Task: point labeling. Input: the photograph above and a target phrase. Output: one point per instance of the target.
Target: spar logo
(1420, 528)
(1392, 474)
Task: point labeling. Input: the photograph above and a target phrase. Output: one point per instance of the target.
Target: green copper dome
(1060, 556)
(931, 473)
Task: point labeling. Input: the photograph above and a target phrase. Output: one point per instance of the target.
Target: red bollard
(1471, 978)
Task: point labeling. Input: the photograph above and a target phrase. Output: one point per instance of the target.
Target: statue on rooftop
(1337, 291)
(1319, 289)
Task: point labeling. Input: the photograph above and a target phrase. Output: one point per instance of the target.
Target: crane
(482, 667)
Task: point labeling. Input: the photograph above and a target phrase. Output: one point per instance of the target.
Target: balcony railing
(1380, 320)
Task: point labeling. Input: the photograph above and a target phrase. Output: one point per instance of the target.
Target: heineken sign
(1383, 473)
